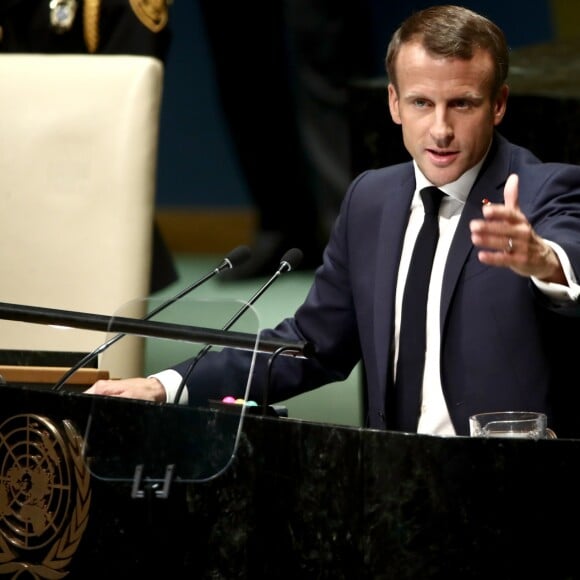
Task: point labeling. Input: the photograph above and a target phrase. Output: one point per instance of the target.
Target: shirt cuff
(171, 380)
(560, 292)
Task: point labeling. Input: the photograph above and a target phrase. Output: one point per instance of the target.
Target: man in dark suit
(504, 272)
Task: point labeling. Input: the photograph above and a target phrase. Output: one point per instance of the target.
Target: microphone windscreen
(292, 258)
(238, 255)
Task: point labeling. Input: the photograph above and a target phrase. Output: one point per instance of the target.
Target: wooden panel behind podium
(48, 376)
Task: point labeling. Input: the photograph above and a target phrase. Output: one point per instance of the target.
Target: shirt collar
(458, 189)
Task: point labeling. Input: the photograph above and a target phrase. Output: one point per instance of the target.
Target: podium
(298, 500)
(96, 487)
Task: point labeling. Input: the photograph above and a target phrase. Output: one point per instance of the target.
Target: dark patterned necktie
(412, 335)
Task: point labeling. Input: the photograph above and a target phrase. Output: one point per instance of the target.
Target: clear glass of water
(511, 424)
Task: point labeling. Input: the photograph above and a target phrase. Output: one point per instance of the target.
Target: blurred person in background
(282, 70)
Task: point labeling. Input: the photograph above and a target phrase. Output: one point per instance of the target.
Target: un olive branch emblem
(40, 473)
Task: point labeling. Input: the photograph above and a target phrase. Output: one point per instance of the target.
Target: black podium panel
(300, 500)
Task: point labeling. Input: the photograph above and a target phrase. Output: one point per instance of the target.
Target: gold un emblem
(45, 496)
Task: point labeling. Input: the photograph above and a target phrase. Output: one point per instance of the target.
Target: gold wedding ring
(510, 246)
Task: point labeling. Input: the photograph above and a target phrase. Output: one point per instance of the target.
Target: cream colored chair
(78, 152)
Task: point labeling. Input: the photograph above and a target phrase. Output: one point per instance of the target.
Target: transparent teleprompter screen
(134, 440)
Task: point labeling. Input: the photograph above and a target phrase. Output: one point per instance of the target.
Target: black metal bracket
(159, 487)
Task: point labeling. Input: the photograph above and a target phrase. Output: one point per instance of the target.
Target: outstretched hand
(149, 389)
(507, 240)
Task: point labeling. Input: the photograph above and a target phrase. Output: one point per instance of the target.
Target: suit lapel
(395, 215)
(488, 185)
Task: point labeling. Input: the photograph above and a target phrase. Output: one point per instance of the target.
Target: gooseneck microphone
(290, 261)
(236, 257)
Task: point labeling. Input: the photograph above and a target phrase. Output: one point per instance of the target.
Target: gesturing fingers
(511, 192)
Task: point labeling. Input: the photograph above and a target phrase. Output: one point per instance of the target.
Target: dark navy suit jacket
(501, 347)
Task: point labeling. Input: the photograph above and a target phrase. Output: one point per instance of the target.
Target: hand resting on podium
(146, 389)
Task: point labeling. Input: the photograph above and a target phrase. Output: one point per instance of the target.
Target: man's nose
(441, 128)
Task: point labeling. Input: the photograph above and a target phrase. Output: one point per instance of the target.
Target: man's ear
(500, 104)
(394, 103)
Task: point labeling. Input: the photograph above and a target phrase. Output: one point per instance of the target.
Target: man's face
(446, 110)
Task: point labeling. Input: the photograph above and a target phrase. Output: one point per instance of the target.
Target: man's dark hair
(451, 32)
